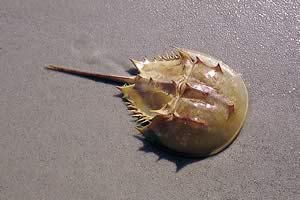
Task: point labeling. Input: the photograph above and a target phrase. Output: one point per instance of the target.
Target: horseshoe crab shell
(187, 102)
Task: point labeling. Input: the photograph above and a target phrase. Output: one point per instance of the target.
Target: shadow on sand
(179, 160)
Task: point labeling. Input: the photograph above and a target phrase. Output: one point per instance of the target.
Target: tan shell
(186, 102)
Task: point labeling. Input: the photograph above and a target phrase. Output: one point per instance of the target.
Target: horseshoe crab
(187, 102)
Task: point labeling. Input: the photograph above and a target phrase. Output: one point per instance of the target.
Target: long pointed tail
(120, 79)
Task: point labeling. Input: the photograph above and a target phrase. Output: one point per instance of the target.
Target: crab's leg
(120, 79)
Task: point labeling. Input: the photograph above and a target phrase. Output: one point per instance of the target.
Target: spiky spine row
(172, 56)
(142, 119)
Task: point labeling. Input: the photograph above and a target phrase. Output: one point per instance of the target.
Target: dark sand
(67, 138)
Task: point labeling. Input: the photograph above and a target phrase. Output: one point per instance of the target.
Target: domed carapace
(186, 102)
